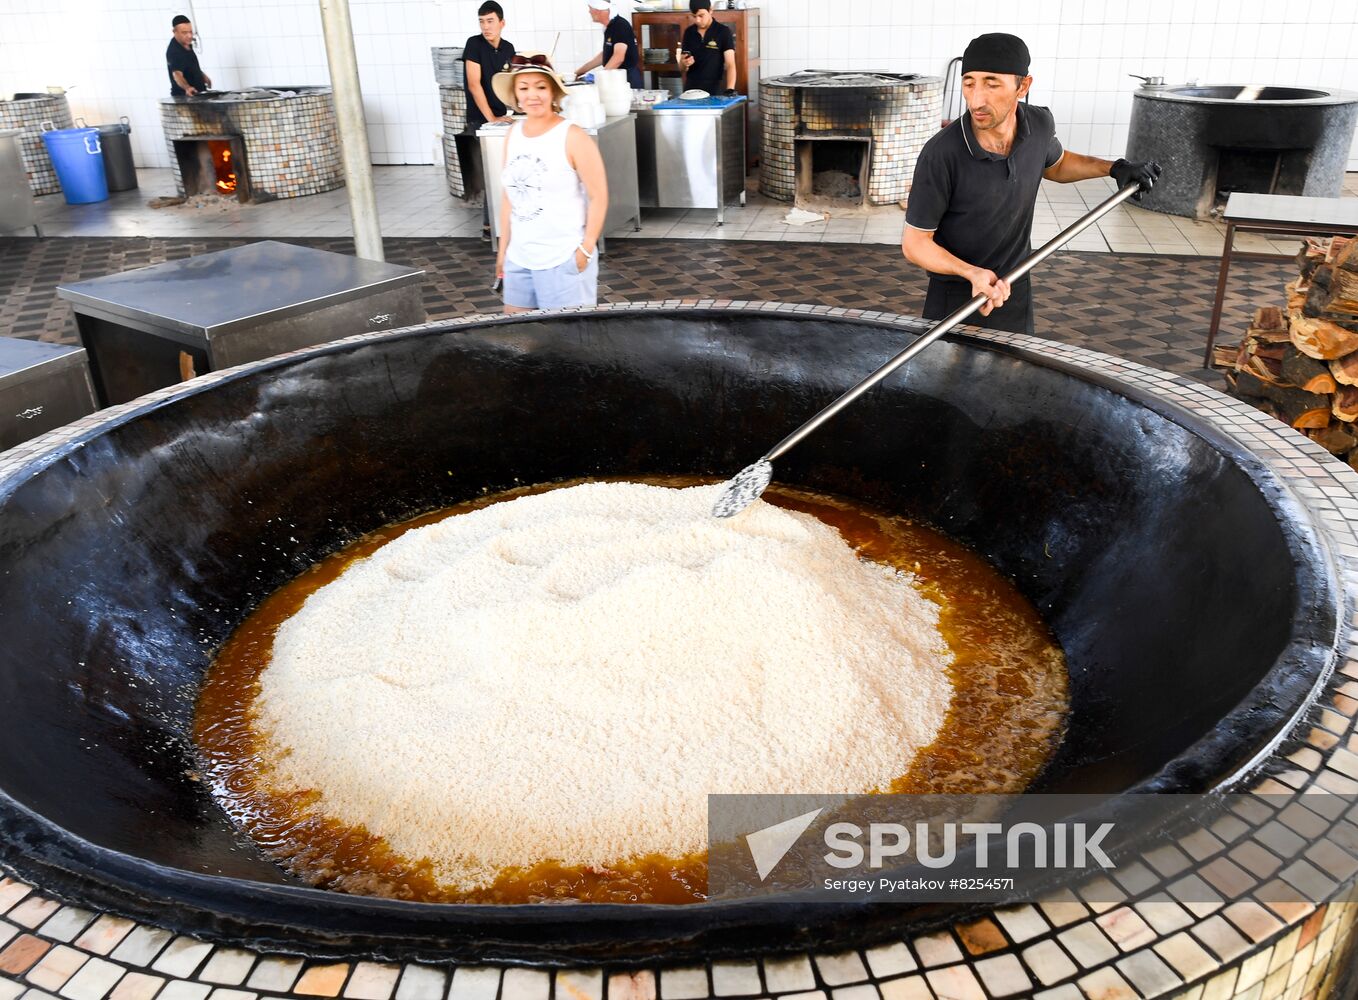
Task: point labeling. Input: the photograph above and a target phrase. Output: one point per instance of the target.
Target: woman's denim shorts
(553, 287)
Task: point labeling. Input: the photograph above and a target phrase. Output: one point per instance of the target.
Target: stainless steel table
(691, 154)
(159, 325)
(617, 139)
(42, 387)
(1279, 214)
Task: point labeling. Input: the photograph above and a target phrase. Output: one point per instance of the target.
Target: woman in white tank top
(555, 196)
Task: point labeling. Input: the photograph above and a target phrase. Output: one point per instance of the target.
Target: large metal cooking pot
(1195, 604)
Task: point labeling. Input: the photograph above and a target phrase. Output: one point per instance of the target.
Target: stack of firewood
(1300, 363)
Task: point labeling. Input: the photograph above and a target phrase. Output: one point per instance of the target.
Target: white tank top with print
(547, 202)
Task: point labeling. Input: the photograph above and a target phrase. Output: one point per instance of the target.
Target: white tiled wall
(112, 51)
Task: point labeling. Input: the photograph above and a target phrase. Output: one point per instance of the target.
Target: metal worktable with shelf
(691, 154)
(154, 326)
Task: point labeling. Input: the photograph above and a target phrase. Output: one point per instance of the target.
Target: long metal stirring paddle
(749, 484)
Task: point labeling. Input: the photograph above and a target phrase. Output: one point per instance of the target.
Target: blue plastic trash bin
(79, 163)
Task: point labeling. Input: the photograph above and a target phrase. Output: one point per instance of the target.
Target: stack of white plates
(448, 70)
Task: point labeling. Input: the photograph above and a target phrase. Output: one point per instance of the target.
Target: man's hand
(191, 91)
(992, 286)
(207, 81)
(504, 120)
(1125, 173)
(687, 62)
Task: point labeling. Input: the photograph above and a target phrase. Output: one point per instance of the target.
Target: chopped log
(1353, 460)
(1333, 296)
(1269, 318)
(1250, 385)
(1320, 338)
(1280, 336)
(1274, 352)
(1343, 293)
(1317, 292)
(1312, 255)
(1268, 369)
(1324, 385)
(1337, 439)
(1227, 357)
(1259, 378)
(1306, 372)
(1342, 253)
(1296, 295)
(1345, 369)
(1345, 405)
(1312, 419)
(1297, 405)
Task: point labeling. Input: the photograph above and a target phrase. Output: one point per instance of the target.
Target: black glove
(1142, 173)
(729, 93)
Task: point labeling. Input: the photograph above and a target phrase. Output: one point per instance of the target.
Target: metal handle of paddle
(950, 321)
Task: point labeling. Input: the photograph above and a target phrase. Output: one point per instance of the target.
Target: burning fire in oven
(221, 164)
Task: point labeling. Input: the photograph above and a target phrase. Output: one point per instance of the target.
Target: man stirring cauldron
(969, 219)
(186, 76)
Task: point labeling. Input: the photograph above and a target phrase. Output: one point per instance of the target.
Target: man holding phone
(708, 59)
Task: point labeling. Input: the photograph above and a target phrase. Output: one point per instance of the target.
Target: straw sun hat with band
(526, 62)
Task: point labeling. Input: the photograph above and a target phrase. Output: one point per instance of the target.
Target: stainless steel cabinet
(692, 157)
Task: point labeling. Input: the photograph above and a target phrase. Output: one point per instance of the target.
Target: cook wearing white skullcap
(620, 49)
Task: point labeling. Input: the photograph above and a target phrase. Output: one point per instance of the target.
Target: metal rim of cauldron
(276, 917)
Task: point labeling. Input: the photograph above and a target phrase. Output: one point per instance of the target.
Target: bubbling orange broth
(1005, 720)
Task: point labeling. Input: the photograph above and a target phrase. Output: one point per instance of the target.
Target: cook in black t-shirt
(709, 51)
(181, 62)
(620, 49)
(485, 55)
(973, 194)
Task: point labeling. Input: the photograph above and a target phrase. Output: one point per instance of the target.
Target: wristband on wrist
(588, 255)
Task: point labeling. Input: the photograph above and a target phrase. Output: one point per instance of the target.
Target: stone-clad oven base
(291, 143)
(897, 114)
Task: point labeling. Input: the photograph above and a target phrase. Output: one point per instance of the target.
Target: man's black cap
(178, 20)
(996, 53)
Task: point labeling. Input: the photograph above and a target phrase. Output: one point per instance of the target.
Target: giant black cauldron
(1196, 605)
(1212, 140)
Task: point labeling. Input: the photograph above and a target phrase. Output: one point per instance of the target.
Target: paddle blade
(743, 489)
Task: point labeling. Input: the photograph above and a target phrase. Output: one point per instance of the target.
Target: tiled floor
(1138, 307)
(413, 201)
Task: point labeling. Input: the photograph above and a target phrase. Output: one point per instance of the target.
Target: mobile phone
(497, 284)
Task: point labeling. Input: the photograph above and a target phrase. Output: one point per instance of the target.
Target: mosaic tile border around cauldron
(1159, 941)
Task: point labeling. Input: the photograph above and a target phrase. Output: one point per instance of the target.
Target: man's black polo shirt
(492, 59)
(186, 61)
(708, 71)
(978, 205)
(619, 32)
